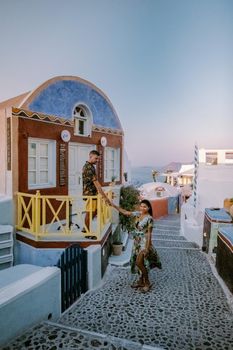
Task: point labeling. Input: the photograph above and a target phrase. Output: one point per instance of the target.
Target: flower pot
(117, 248)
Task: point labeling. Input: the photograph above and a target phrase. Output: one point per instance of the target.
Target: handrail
(50, 215)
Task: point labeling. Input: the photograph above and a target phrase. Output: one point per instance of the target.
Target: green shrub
(129, 198)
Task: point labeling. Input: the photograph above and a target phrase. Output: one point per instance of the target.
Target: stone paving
(48, 336)
(185, 309)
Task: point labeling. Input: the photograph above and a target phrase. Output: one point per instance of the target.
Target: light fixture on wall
(65, 135)
(103, 141)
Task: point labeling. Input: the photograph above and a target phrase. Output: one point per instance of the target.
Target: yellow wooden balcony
(45, 216)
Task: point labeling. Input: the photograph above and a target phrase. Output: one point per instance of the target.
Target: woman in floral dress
(144, 256)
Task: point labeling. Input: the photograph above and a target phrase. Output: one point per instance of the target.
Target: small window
(82, 121)
(229, 157)
(41, 163)
(111, 164)
(211, 158)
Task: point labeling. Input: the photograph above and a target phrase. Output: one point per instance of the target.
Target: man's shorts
(91, 205)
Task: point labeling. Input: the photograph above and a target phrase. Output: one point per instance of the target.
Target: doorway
(78, 155)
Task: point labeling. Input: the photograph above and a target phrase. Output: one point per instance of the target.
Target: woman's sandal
(146, 288)
(137, 284)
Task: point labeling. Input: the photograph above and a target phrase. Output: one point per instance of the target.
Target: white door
(78, 155)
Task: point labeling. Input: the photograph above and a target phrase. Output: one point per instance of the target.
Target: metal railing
(47, 215)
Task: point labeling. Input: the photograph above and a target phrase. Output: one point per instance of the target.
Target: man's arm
(99, 189)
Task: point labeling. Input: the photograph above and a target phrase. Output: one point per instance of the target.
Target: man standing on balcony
(91, 187)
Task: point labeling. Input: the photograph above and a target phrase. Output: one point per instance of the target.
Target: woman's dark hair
(145, 201)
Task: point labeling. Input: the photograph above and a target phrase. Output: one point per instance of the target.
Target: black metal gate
(73, 265)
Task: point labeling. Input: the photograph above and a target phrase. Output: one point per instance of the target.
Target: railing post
(19, 211)
(43, 214)
(37, 214)
(109, 211)
(99, 214)
(68, 215)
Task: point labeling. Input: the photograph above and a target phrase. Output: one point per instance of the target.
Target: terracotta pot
(117, 248)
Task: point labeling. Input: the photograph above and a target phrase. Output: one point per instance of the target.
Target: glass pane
(43, 150)
(229, 157)
(44, 178)
(110, 174)
(211, 158)
(32, 149)
(44, 163)
(32, 177)
(81, 127)
(32, 163)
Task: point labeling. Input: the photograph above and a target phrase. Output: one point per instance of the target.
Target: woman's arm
(122, 211)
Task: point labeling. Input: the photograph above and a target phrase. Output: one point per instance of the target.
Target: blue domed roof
(59, 96)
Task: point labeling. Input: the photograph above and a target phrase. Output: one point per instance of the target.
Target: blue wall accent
(60, 97)
(6, 211)
(172, 205)
(25, 254)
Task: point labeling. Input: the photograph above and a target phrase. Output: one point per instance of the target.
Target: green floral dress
(139, 236)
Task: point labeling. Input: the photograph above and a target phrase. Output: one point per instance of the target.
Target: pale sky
(166, 65)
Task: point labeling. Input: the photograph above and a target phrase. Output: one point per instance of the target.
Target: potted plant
(113, 181)
(117, 244)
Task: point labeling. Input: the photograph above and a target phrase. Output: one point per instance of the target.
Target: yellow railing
(45, 216)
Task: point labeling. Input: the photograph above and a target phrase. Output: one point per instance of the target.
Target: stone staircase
(166, 234)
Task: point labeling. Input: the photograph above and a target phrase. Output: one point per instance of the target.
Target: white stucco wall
(94, 265)
(214, 184)
(29, 295)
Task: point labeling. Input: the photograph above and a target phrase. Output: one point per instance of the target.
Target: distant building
(214, 183)
(182, 177)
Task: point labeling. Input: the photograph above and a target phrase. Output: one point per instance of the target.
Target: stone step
(166, 227)
(157, 236)
(173, 244)
(165, 233)
(168, 222)
(51, 335)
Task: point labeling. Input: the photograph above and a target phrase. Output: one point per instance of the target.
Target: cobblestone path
(186, 308)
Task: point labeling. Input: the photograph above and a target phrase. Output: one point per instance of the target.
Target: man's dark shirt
(89, 176)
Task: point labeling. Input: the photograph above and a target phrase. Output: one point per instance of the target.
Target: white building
(182, 177)
(214, 182)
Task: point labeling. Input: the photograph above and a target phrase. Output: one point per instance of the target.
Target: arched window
(82, 120)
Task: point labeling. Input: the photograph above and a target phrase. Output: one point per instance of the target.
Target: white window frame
(51, 163)
(117, 166)
(87, 119)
